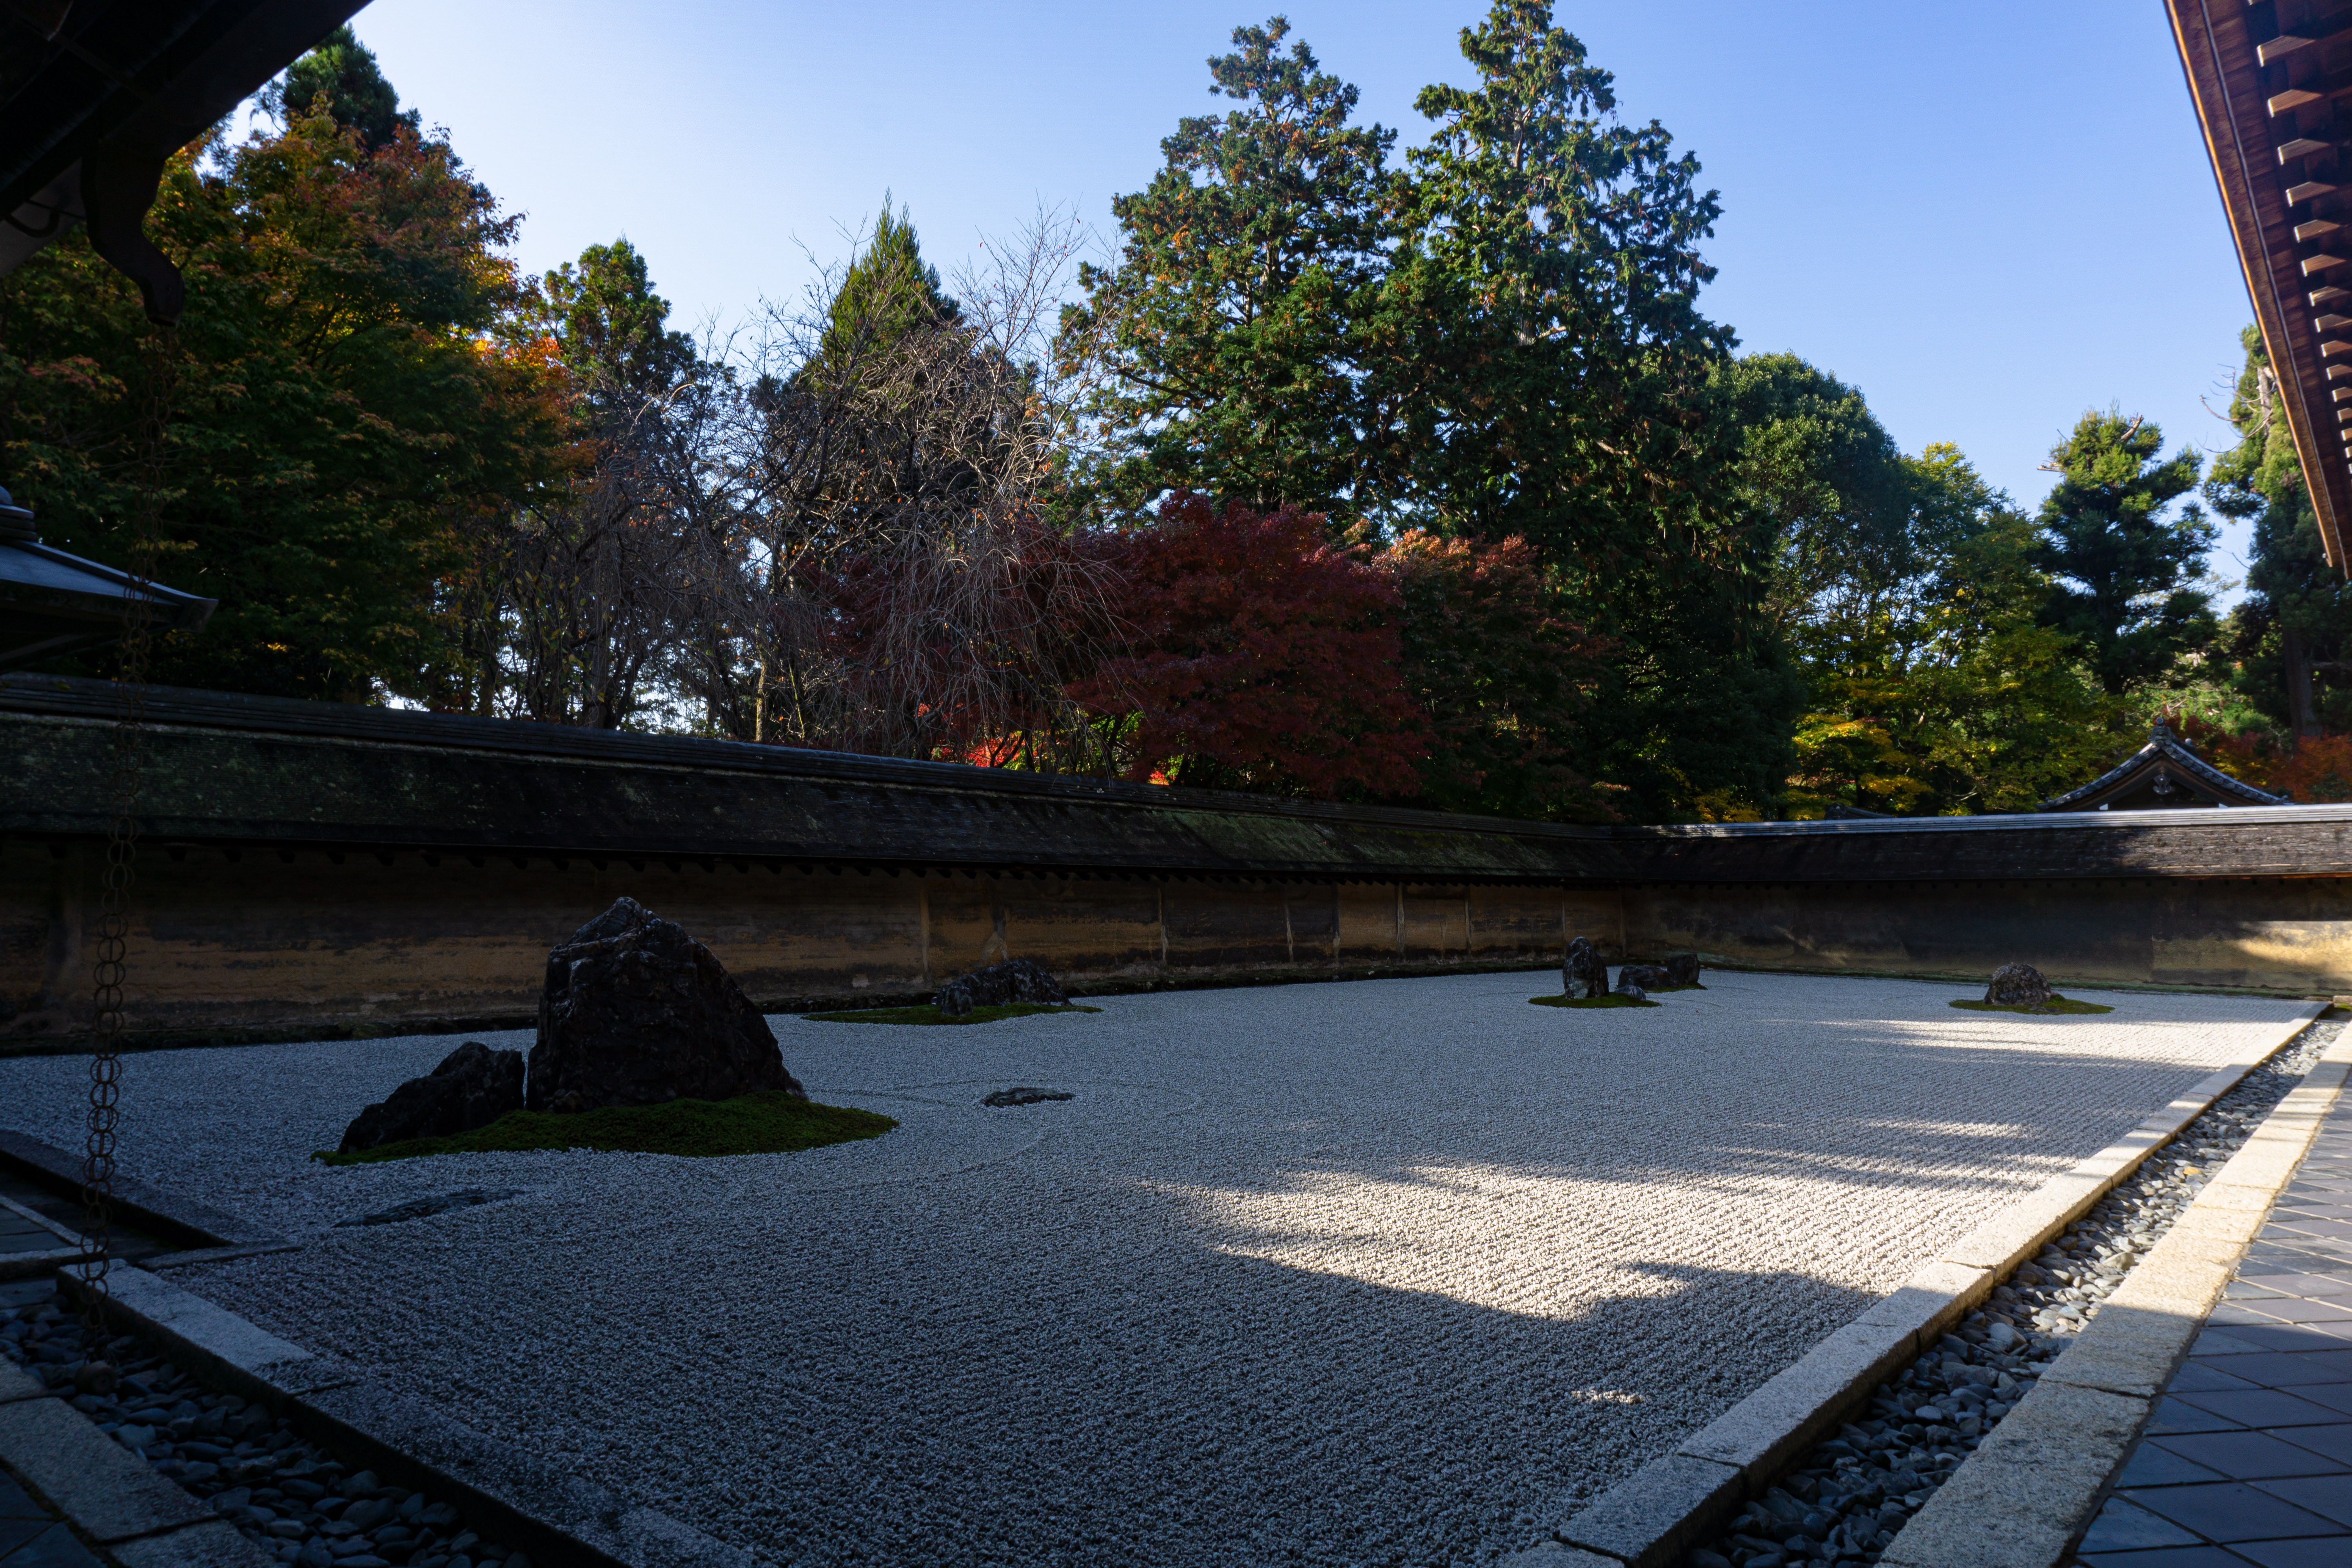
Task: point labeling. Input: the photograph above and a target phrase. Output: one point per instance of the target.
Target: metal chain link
(104, 1115)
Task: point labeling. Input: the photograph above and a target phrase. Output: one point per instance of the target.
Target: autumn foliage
(2311, 770)
(1257, 653)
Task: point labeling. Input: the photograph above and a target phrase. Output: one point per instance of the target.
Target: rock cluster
(473, 1087)
(1849, 1496)
(636, 1012)
(295, 1501)
(2018, 985)
(1000, 985)
(1679, 970)
(1582, 973)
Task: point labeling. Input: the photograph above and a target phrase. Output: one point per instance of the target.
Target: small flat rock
(424, 1208)
(1026, 1096)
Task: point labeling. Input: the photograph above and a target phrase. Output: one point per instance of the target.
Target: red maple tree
(1257, 653)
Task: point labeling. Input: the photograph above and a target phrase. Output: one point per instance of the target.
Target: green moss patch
(2056, 1004)
(1613, 999)
(1662, 990)
(769, 1122)
(927, 1013)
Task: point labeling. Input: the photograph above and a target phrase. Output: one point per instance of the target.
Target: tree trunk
(2301, 716)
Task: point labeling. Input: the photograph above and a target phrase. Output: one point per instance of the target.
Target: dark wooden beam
(2267, 165)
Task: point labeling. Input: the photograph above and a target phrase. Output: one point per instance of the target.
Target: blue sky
(1988, 215)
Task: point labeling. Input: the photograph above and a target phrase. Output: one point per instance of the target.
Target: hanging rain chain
(121, 856)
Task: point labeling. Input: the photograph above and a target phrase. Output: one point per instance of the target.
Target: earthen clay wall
(263, 940)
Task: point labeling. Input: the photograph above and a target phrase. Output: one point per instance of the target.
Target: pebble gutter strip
(261, 1452)
(2025, 1498)
(1667, 1512)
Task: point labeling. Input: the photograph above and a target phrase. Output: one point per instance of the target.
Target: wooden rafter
(2267, 79)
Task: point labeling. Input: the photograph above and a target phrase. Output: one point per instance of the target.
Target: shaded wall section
(306, 863)
(264, 940)
(2289, 934)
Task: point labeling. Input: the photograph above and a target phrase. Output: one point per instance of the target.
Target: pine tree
(341, 77)
(1232, 317)
(2124, 571)
(2294, 631)
(1540, 344)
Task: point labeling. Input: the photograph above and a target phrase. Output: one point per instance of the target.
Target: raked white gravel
(1384, 1272)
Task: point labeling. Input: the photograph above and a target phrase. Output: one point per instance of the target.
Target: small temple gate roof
(52, 603)
(2162, 775)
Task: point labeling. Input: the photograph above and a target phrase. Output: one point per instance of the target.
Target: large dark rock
(1000, 985)
(473, 1087)
(635, 1012)
(1582, 973)
(2018, 985)
(1682, 968)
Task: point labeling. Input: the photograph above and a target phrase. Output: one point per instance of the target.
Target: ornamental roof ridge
(2163, 746)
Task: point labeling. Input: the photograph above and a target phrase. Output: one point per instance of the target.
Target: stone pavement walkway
(2249, 1459)
(34, 1536)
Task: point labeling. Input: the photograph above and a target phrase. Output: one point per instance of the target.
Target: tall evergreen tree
(1541, 360)
(341, 77)
(611, 329)
(888, 290)
(2125, 572)
(1231, 321)
(2293, 633)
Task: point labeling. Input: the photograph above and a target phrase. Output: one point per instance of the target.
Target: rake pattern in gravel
(1389, 1272)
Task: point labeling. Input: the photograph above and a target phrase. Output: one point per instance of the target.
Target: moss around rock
(772, 1121)
(927, 1013)
(1611, 999)
(2056, 1004)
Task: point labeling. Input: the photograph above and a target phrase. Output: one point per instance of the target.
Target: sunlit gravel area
(1383, 1272)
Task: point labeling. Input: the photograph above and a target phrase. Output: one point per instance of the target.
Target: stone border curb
(560, 1519)
(2025, 1497)
(108, 1493)
(1682, 1500)
(174, 1218)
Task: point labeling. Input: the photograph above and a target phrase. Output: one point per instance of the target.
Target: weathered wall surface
(2264, 933)
(306, 863)
(262, 940)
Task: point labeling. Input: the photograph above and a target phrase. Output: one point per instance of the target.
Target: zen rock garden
(1187, 1271)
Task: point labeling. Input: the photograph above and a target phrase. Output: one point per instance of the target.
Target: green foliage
(928, 1015)
(1838, 499)
(769, 1122)
(327, 413)
(888, 291)
(2056, 1004)
(1613, 999)
(2123, 570)
(2296, 620)
(1908, 591)
(1506, 679)
(1245, 269)
(341, 80)
(609, 329)
(1539, 355)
